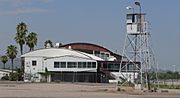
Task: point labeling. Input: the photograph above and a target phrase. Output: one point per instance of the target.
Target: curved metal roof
(87, 46)
(58, 52)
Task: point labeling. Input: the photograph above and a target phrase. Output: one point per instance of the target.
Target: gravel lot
(73, 90)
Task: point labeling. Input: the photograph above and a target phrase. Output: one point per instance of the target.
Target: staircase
(117, 76)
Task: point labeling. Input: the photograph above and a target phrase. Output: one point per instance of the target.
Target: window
(62, 64)
(104, 65)
(93, 64)
(34, 63)
(110, 66)
(84, 64)
(59, 64)
(129, 17)
(107, 55)
(104, 55)
(89, 65)
(133, 18)
(97, 53)
(71, 64)
(56, 65)
(80, 64)
(117, 66)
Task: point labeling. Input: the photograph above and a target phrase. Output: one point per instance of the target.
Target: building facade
(110, 66)
(75, 62)
(61, 64)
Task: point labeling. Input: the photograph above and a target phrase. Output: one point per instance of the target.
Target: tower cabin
(135, 22)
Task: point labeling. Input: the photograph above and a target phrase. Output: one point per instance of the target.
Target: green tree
(177, 75)
(48, 43)
(162, 76)
(21, 35)
(18, 74)
(31, 40)
(11, 53)
(20, 38)
(4, 59)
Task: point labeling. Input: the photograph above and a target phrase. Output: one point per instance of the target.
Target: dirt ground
(74, 90)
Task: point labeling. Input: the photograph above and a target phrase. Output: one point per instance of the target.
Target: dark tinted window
(93, 64)
(56, 64)
(62, 64)
(34, 63)
(71, 64)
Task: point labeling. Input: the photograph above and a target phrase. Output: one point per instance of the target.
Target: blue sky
(96, 21)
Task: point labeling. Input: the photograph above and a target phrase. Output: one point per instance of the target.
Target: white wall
(42, 63)
(49, 63)
(132, 28)
(33, 70)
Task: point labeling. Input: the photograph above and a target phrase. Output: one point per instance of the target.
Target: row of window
(74, 64)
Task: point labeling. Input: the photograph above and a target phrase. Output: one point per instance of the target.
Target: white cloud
(29, 10)
(23, 11)
(15, 7)
(46, 1)
(17, 1)
(25, 2)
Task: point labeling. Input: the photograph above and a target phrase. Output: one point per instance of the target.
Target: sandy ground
(73, 90)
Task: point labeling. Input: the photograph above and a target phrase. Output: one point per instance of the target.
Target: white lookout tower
(137, 52)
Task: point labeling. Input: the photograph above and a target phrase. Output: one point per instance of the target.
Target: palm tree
(4, 59)
(48, 44)
(11, 53)
(21, 35)
(31, 40)
(20, 38)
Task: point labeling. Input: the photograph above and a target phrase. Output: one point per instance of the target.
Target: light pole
(140, 31)
(138, 4)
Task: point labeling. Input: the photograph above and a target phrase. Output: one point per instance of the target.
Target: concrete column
(49, 78)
